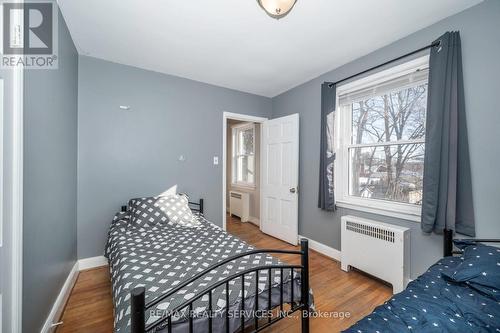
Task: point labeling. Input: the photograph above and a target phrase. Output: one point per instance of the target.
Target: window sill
(244, 186)
(399, 214)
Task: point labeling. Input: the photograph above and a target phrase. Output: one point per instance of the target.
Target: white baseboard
(254, 220)
(92, 262)
(323, 249)
(58, 307)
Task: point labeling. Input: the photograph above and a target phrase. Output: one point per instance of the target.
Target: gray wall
(50, 179)
(479, 28)
(126, 154)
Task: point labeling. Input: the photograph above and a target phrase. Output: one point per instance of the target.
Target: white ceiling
(234, 44)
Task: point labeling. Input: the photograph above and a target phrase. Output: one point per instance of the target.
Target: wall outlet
(216, 160)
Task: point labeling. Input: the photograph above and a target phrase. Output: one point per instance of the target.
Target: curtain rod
(436, 43)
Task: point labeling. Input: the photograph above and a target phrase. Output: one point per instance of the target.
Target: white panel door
(280, 178)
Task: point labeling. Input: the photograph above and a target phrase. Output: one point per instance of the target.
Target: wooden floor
(90, 309)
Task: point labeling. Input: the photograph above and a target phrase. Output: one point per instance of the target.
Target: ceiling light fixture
(277, 8)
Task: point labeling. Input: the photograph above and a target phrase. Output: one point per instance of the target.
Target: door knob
(293, 190)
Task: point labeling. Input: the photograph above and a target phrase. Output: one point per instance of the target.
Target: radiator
(379, 249)
(239, 205)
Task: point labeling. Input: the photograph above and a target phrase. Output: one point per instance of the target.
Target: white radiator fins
(370, 231)
(379, 249)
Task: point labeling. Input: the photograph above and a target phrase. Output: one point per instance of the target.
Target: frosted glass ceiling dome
(277, 8)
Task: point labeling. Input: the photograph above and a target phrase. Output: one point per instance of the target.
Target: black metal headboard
(196, 206)
(448, 242)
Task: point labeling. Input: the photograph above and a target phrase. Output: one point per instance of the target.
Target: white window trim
(342, 130)
(244, 186)
(234, 129)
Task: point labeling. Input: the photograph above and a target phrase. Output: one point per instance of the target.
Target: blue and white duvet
(432, 304)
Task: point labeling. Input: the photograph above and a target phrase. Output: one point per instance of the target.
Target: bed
(457, 294)
(170, 277)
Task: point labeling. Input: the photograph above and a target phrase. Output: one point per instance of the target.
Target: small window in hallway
(243, 169)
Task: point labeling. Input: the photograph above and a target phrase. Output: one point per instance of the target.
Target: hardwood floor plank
(90, 308)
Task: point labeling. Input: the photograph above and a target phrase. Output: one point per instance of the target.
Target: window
(243, 168)
(380, 140)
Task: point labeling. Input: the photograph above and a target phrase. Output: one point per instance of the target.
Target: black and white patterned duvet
(161, 257)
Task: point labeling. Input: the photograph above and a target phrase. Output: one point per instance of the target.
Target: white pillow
(171, 191)
(177, 209)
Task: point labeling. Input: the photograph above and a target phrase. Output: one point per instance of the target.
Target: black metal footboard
(139, 306)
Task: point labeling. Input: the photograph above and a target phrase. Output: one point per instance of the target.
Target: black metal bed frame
(139, 305)
(197, 206)
(448, 242)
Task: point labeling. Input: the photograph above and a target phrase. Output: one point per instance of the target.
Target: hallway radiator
(239, 205)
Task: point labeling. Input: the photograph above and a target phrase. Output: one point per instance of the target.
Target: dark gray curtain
(447, 198)
(326, 199)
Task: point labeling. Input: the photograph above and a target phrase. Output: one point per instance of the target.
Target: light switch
(216, 160)
(182, 158)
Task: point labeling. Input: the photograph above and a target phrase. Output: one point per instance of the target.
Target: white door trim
(1, 192)
(17, 200)
(225, 117)
(2, 159)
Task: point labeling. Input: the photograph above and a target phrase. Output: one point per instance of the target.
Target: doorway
(241, 168)
(273, 178)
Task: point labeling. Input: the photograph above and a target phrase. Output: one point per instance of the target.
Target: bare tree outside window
(387, 145)
(244, 155)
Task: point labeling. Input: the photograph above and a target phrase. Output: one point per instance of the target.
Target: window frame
(235, 129)
(342, 144)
